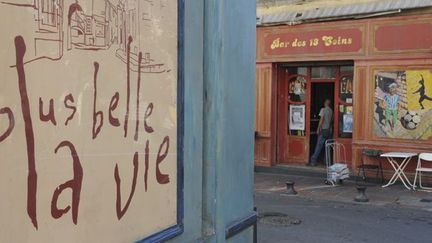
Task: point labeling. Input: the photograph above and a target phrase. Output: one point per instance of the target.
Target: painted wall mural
(403, 104)
(88, 120)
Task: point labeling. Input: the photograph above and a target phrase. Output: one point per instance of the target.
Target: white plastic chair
(423, 157)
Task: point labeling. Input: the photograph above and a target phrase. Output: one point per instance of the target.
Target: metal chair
(370, 153)
(423, 157)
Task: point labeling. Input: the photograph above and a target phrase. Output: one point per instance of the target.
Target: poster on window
(297, 89)
(347, 123)
(297, 117)
(403, 104)
(89, 120)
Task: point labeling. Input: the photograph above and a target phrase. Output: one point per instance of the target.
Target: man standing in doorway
(323, 131)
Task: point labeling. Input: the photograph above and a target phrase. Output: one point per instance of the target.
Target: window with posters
(297, 93)
(91, 133)
(344, 101)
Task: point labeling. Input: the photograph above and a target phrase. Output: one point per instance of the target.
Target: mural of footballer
(391, 104)
(403, 104)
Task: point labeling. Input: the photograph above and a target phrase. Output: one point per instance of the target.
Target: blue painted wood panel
(219, 118)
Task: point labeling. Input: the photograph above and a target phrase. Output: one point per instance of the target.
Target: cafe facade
(359, 64)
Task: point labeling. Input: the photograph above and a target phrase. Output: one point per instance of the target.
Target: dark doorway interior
(319, 93)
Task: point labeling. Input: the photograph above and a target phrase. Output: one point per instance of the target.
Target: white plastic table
(399, 168)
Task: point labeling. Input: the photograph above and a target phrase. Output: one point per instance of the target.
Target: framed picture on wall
(297, 117)
(347, 123)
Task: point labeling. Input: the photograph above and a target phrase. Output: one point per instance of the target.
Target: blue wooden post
(219, 120)
(193, 120)
(229, 101)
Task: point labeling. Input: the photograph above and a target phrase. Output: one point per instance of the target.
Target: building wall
(218, 172)
(391, 43)
(219, 79)
(229, 76)
(264, 121)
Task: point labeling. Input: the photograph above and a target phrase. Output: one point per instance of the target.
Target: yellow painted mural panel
(419, 89)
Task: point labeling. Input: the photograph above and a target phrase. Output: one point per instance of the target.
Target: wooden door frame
(283, 77)
(309, 81)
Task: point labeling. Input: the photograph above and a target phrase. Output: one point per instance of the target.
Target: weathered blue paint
(219, 71)
(229, 86)
(241, 225)
(193, 120)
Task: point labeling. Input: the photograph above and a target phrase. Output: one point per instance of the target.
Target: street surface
(325, 214)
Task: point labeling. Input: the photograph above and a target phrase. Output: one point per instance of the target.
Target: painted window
(297, 96)
(344, 102)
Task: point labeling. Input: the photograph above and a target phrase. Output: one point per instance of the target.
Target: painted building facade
(375, 69)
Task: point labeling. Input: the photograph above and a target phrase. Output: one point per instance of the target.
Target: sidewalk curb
(295, 171)
(308, 172)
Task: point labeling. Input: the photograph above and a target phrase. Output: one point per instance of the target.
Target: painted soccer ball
(410, 120)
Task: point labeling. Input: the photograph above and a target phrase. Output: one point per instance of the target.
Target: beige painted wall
(53, 72)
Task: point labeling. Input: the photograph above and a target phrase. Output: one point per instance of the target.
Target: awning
(369, 9)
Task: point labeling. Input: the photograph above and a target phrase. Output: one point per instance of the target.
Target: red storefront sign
(312, 42)
(399, 37)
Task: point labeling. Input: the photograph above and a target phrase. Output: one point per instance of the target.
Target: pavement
(323, 213)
